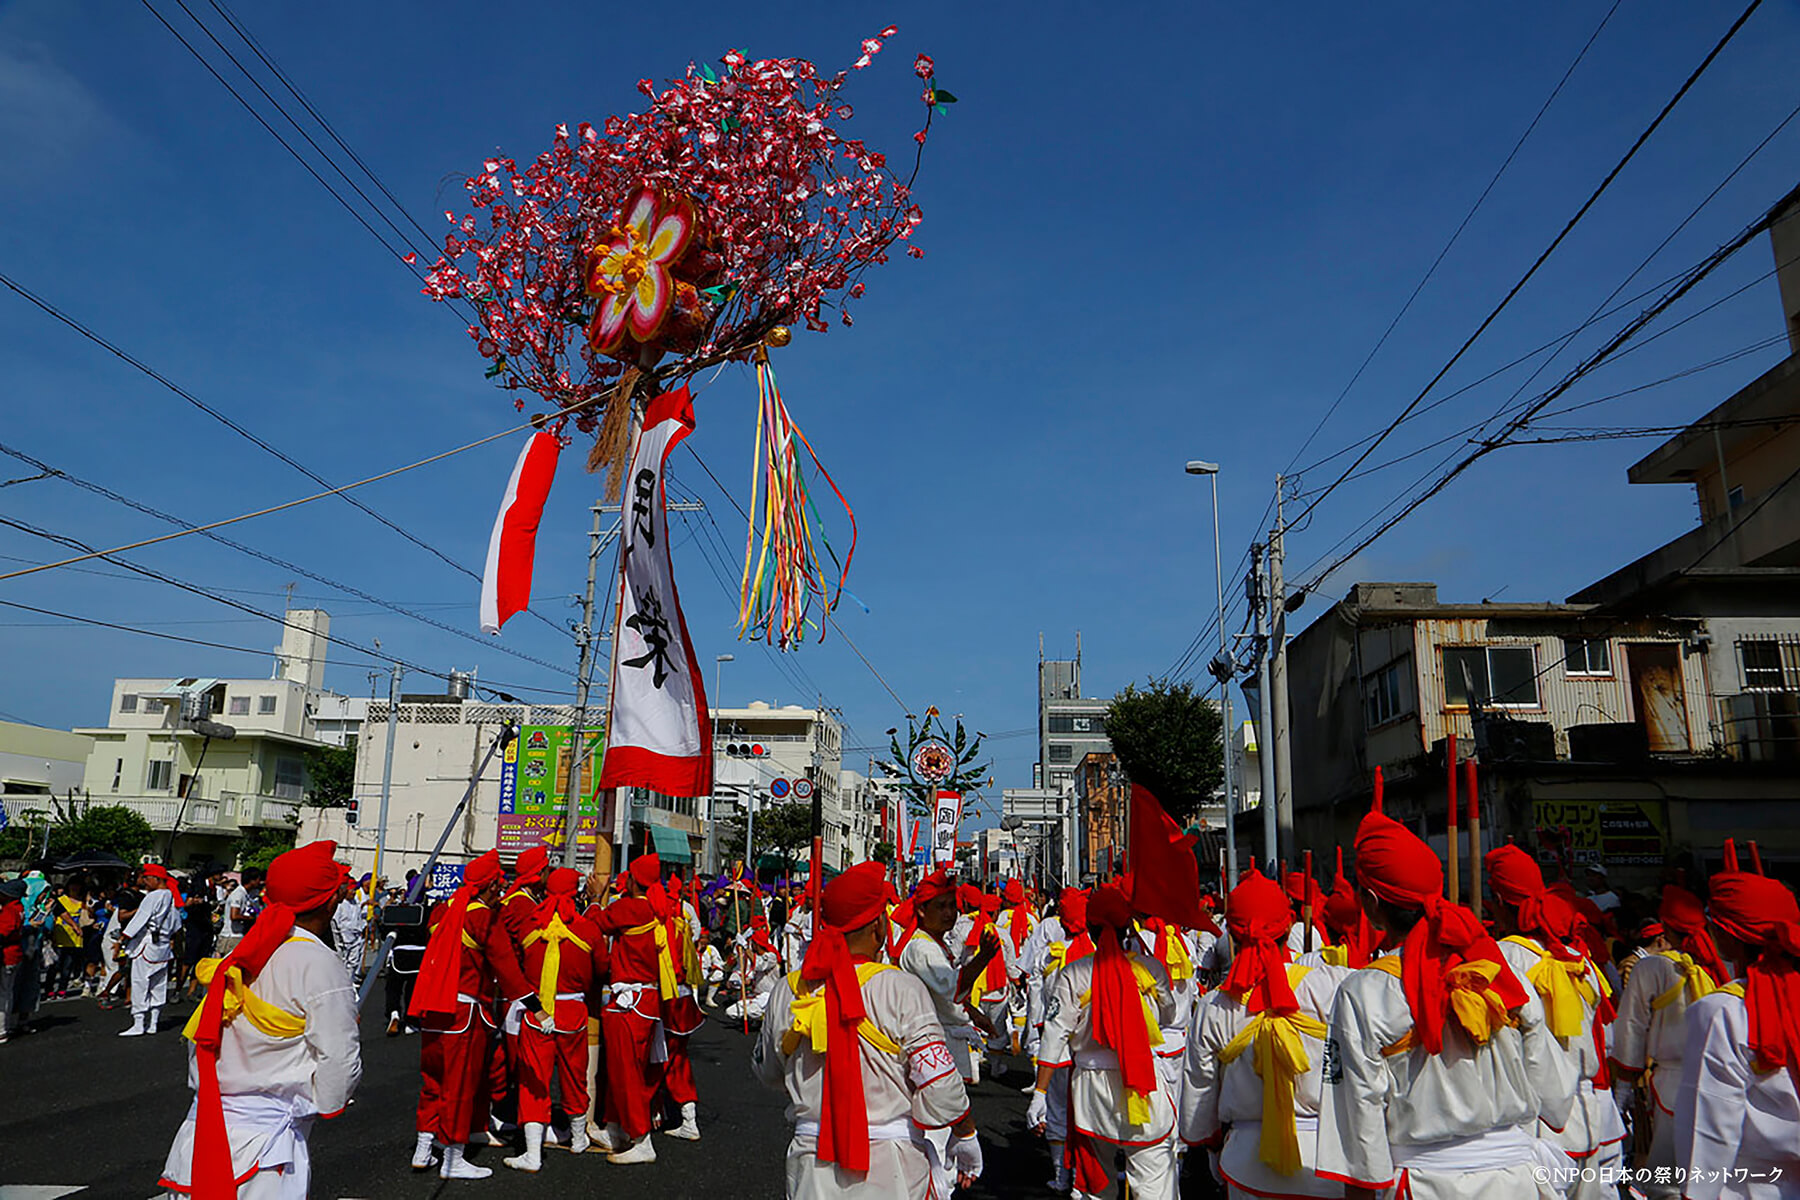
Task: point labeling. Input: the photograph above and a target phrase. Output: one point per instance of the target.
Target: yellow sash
(1696, 980)
(265, 1017)
(1564, 987)
(468, 941)
(667, 984)
(810, 1025)
(1137, 1104)
(554, 935)
(1336, 956)
(1734, 988)
(1476, 1008)
(1180, 966)
(1279, 1059)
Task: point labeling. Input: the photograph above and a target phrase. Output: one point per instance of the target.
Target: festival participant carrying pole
(1306, 910)
(743, 951)
(1474, 839)
(1455, 828)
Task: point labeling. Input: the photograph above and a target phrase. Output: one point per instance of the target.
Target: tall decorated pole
(935, 759)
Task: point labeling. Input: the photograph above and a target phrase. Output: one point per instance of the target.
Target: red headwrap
(1399, 868)
(529, 867)
(1019, 928)
(299, 881)
(1762, 913)
(1685, 918)
(968, 897)
(850, 902)
(1073, 909)
(1258, 917)
(1118, 1006)
(994, 974)
(1516, 879)
(646, 869)
(559, 897)
(435, 989)
(161, 874)
(924, 892)
(1013, 893)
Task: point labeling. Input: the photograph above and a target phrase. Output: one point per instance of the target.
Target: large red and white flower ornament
(633, 272)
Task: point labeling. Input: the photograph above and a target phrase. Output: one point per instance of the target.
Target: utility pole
(1265, 751)
(1278, 680)
(387, 772)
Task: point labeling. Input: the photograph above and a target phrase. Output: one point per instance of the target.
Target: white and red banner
(506, 583)
(946, 816)
(659, 736)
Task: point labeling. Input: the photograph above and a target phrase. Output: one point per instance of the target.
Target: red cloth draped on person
(993, 976)
(1258, 916)
(1684, 916)
(1119, 1019)
(1345, 919)
(1516, 879)
(924, 892)
(1762, 913)
(1019, 928)
(436, 988)
(1073, 909)
(161, 874)
(299, 881)
(1447, 951)
(850, 902)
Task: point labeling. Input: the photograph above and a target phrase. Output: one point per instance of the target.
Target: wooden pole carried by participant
(1474, 838)
(1454, 829)
(1306, 909)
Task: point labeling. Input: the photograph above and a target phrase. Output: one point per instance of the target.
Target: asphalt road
(89, 1114)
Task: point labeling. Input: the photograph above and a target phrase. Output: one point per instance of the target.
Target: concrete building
(766, 752)
(1592, 730)
(1045, 833)
(1070, 726)
(35, 762)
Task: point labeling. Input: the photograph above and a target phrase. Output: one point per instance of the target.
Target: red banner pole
(1474, 791)
(1454, 829)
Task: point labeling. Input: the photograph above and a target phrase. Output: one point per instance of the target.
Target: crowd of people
(1375, 1038)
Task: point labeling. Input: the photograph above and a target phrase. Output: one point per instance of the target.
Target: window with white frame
(265, 705)
(290, 778)
(1769, 664)
(160, 776)
(1387, 694)
(128, 702)
(1498, 676)
(118, 772)
(1586, 656)
(239, 706)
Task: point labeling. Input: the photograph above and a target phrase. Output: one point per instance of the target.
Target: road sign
(445, 878)
(779, 789)
(803, 789)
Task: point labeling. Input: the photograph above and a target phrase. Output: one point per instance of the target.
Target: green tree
(111, 828)
(331, 776)
(1166, 737)
(784, 828)
(260, 847)
(883, 853)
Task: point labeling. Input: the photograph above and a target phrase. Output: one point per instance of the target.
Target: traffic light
(746, 750)
(350, 807)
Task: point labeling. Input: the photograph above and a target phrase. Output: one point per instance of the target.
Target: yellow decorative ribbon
(267, 1018)
(1734, 988)
(1564, 987)
(666, 982)
(1336, 956)
(1696, 981)
(1180, 966)
(1478, 1010)
(1137, 1104)
(1279, 1059)
(554, 934)
(810, 1025)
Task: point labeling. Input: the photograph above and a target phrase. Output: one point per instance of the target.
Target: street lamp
(1222, 671)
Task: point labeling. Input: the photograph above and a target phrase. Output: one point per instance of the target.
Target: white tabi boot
(455, 1166)
(425, 1155)
(154, 1020)
(533, 1158)
(137, 1026)
(689, 1129)
(1064, 1179)
(578, 1136)
(641, 1151)
(611, 1139)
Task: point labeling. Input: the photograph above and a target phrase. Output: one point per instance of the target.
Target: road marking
(39, 1191)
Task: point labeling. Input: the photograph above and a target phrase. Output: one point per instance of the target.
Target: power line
(1454, 236)
(1567, 228)
(273, 560)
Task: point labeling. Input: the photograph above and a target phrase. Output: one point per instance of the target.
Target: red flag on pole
(1165, 879)
(506, 582)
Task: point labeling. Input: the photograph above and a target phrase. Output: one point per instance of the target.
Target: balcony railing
(227, 814)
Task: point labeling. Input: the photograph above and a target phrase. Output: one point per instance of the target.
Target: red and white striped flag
(506, 583)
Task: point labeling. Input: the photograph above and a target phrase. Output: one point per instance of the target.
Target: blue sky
(1147, 239)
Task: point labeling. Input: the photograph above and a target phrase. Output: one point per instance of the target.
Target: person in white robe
(349, 929)
(1249, 1099)
(150, 945)
(1103, 1021)
(866, 1089)
(924, 955)
(275, 1044)
(1649, 1035)
(1737, 1115)
(1437, 1064)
